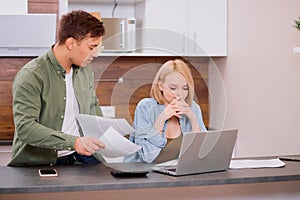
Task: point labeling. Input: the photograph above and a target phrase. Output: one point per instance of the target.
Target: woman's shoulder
(147, 101)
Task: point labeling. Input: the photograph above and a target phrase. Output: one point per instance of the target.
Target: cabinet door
(208, 27)
(165, 26)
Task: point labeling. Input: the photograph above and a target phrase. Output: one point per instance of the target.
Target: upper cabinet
(208, 27)
(186, 27)
(163, 27)
(170, 27)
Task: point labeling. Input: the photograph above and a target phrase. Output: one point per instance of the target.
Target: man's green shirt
(39, 98)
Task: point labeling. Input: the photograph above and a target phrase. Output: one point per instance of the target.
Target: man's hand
(88, 145)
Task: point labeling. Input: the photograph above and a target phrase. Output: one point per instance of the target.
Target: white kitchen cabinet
(208, 27)
(164, 26)
(185, 27)
(14, 7)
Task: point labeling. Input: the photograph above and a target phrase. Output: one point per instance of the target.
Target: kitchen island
(95, 181)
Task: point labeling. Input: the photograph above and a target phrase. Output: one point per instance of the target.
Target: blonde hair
(176, 65)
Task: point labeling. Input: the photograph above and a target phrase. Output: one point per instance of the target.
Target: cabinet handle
(122, 26)
(195, 42)
(183, 42)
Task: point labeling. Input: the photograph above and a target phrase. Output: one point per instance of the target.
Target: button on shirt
(69, 124)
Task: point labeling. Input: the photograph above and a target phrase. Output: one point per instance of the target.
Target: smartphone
(48, 172)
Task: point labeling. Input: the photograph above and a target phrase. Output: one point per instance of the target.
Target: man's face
(86, 50)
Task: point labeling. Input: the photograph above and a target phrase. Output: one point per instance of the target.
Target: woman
(161, 120)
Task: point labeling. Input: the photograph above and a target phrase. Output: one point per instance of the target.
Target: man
(50, 90)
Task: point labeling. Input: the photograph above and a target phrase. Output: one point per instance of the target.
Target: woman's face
(174, 86)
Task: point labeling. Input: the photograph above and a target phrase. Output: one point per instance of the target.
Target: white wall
(262, 76)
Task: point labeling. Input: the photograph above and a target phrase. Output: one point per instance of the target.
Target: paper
(93, 125)
(242, 164)
(111, 132)
(116, 145)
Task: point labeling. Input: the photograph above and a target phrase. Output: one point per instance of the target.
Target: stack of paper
(111, 132)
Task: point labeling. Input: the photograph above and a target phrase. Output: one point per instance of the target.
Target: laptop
(201, 152)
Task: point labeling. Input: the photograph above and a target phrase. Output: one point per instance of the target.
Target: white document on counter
(95, 126)
(243, 164)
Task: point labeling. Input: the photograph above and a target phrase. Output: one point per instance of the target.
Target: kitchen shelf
(155, 55)
(133, 54)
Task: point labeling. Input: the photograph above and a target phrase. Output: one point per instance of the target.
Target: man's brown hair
(77, 24)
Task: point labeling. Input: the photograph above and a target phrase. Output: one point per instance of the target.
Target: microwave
(119, 35)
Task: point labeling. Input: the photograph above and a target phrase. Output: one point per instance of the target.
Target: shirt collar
(58, 68)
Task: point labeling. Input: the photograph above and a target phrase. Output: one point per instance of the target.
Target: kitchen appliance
(26, 34)
(119, 35)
